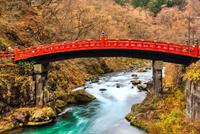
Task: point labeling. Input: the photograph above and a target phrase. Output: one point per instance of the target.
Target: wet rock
(95, 80)
(21, 117)
(149, 84)
(60, 104)
(136, 81)
(118, 85)
(134, 76)
(27, 116)
(102, 89)
(142, 87)
(142, 69)
(82, 96)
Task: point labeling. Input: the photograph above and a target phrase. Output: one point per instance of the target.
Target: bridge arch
(167, 52)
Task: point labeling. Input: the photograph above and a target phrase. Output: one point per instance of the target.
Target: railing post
(16, 54)
(196, 47)
(103, 41)
(196, 50)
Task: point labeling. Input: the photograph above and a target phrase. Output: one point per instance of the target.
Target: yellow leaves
(193, 72)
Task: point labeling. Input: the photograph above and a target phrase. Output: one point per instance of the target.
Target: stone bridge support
(193, 100)
(40, 78)
(157, 78)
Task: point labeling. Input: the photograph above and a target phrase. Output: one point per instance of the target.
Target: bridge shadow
(149, 55)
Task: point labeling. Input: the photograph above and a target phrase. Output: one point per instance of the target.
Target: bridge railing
(101, 44)
(5, 55)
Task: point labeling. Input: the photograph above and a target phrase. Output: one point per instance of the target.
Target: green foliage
(140, 3)
(154, 5)
(170, 3)
(25, 68)
(99, 70)
(121, 2)
(193, 72)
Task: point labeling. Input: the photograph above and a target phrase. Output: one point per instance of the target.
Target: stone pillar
(40, 78)
(157, 78)
(193, 100)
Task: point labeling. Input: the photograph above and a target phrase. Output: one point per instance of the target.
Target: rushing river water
(103, 116)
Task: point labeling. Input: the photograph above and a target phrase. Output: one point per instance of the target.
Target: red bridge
(168, 52)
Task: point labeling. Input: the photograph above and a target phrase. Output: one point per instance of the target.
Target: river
(103, 116)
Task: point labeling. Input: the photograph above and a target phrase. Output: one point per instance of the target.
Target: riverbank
(35, 116)
(166, 115)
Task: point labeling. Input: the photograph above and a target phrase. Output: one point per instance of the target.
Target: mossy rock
(44, 114)
(82, 96)
(60, 103)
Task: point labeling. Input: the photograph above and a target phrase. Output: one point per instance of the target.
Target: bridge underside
(173, 58)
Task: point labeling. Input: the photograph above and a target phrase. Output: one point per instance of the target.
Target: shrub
(155, 5)
(140, 3)
(25, 68)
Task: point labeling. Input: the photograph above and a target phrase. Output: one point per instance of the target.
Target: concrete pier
(40, 78)
(193, 99)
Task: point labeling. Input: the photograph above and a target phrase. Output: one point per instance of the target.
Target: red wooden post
(103, 41)
(16, 54)
(3, 55)
(196, 50)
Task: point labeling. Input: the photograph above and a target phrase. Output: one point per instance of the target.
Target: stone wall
(193, 99)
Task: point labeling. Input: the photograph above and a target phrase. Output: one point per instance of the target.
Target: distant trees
(154, 5)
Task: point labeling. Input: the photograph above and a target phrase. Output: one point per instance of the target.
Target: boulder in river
(136, 81)
(134, 76)
(149, 84)
(82, 96)
(95, 80)
(142, 87)
(118, 85)
(102, 89)
(142, 69)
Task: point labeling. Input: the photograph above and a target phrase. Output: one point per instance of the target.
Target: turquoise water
(103, 116)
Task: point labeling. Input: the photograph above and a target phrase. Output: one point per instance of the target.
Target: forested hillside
(25, 23)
